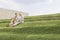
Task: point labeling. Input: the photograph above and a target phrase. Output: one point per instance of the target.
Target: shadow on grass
(33, 30)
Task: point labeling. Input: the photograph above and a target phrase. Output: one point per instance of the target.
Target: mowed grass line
(46, 27)
(30, 33)
(29, 37)
(35, 24)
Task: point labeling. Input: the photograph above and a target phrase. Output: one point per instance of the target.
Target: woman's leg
(12, 22)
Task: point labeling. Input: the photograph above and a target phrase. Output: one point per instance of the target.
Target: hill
(8, 13)
(45, 27)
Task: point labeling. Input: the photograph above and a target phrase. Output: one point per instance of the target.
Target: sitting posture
(18, 18)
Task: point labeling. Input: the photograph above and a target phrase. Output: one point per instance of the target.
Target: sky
(32, 7)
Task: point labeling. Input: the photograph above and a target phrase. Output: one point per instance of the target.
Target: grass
(45, 27)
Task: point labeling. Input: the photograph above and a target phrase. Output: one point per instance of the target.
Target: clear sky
(33, 7)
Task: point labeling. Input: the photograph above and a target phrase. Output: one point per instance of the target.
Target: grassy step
(45, 27)
(32, 30)
(7, 36)
(35, 23)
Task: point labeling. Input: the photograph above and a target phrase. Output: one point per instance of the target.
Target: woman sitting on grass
(18, 18)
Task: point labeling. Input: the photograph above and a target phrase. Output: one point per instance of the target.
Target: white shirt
(20, 19)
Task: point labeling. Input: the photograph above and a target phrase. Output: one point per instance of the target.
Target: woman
(17, 19)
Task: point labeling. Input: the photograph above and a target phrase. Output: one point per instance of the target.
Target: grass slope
(45, 27)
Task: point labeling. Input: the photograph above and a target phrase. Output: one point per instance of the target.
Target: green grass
(45, 27)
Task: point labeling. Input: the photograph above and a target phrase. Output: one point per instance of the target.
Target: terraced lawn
(45, 27)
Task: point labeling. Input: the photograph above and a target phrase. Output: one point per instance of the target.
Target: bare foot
(10, 25)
